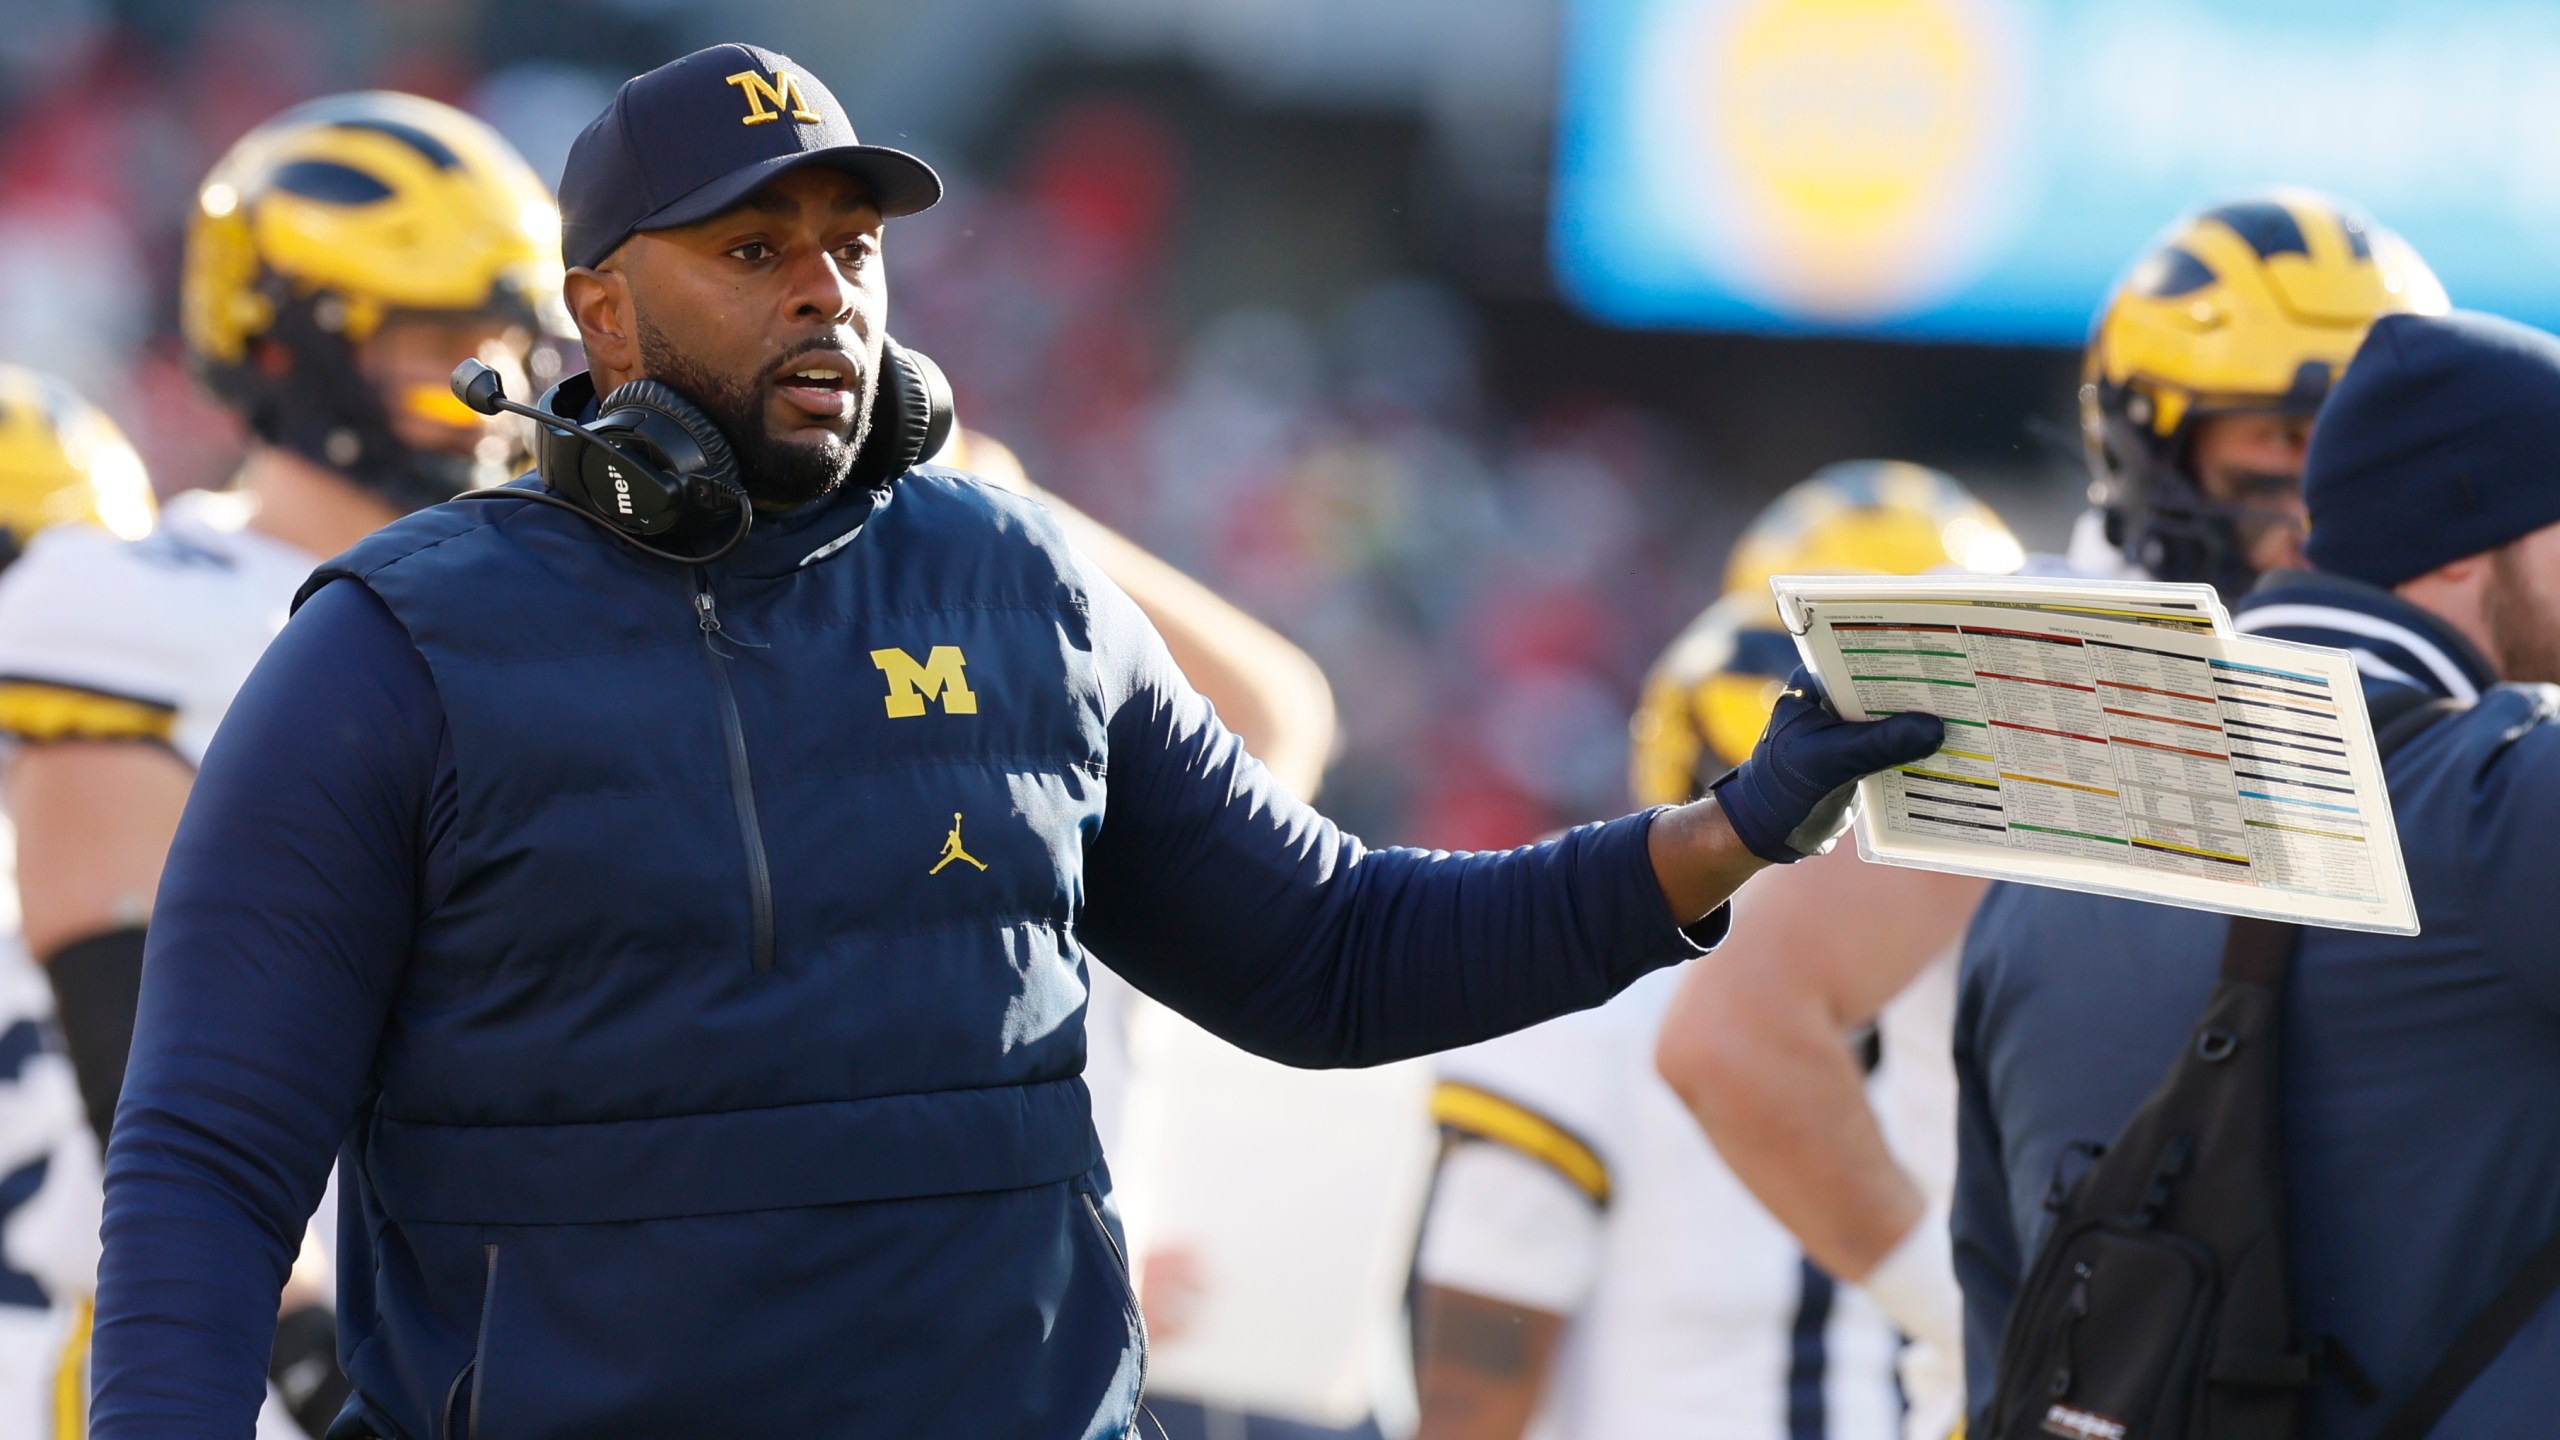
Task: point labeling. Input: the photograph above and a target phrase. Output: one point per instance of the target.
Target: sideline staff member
(2418, 1066)
(2195, 439)
(603, 910)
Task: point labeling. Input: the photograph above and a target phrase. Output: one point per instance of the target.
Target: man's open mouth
(822, 386)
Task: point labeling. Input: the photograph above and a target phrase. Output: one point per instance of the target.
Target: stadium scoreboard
(1983, 170)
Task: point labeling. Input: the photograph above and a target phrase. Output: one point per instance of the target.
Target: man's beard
(777, 475)
(2524, 628)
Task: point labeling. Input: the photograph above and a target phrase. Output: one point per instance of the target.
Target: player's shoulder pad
(99, 636)
(1560, 1089)
(1467, 1110)
(80, 587)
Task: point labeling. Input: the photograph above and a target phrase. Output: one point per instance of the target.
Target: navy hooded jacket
(2421, 1147)
(687, 970)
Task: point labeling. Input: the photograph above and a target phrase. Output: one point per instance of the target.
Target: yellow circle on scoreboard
(1848, 143)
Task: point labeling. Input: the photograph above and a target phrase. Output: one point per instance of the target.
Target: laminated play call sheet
(2114, 737)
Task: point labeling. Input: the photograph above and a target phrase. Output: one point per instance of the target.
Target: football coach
(687, 977)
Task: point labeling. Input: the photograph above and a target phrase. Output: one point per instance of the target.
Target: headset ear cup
(940, 413)
(911, 416)
(718, 469)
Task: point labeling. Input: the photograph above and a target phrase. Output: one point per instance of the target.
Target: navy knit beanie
(2442, 440)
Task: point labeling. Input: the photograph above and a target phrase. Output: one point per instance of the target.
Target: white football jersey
(1580, 1185)
(142, 639)
(48, 1193)
(103, 639)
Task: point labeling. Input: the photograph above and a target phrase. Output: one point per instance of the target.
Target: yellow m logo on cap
(911, 684)
(770, 99)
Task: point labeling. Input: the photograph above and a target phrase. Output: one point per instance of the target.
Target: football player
(62, 462)
(341, 259)
(1590, 1267)
(2204, 373)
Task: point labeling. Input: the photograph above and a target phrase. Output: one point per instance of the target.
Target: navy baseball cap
(695, 136)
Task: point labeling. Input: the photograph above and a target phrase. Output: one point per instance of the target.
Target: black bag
(2157, 1307)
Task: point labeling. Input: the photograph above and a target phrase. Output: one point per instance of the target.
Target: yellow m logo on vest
(770, 99)
(911, 684)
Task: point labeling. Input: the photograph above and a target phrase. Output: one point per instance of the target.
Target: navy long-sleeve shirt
(321, 830)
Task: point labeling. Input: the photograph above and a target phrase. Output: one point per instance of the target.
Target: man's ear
(2465, 571)
(599, 300)
(2456, 592)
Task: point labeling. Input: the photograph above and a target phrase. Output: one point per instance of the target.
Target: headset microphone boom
(482, 388)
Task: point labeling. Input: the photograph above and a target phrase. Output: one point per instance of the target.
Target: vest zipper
(1129, 1283)
(466, 1385)
(742, 790)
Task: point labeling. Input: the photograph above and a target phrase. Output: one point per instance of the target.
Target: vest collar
(2393, 641)
(780, 544)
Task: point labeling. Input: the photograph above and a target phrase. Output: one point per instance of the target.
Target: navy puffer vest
(733, 1084)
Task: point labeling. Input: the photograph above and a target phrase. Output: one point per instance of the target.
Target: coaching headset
(651, 461)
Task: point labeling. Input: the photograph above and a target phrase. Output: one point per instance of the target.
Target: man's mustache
(848, 346)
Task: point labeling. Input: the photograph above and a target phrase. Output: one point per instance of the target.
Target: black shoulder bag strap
(2398, 715)
(2259, 950)
(2533, 1282)
(2523, 1299)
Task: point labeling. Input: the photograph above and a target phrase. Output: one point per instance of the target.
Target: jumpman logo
(951, 849)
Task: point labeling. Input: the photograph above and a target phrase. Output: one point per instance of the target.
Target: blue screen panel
(1984, 170)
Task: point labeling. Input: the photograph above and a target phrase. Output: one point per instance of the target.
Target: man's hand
(1172, 1284)
(1788, 801)
(1791, 798)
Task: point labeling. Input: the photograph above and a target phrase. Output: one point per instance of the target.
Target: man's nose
(822, 288)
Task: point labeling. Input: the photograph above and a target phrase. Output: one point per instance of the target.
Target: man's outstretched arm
(1214, 891)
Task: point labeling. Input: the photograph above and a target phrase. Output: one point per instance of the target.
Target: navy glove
(1791, 798)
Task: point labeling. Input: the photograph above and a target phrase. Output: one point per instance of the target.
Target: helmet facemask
(2158, 509)
(329, 405)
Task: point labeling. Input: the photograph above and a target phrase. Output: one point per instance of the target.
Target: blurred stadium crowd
(1346, 475)
(1345, 470)
(1510, 539)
